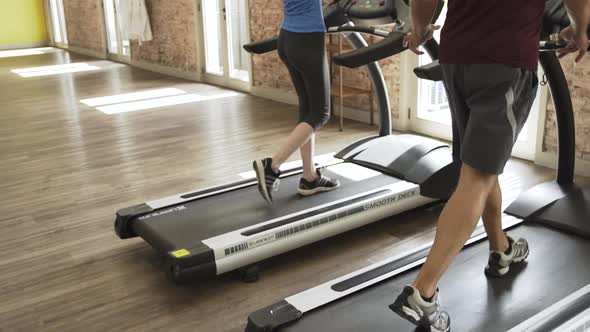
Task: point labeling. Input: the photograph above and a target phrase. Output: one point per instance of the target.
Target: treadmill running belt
(219, 214)
(557, 267)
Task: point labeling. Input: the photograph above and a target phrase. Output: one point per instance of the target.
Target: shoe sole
(498, 274)
(260, 176)
(309, 192)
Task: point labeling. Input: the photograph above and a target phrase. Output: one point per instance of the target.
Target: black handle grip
(263, 46)
(391, 45)
(553, 45)
(431, 71)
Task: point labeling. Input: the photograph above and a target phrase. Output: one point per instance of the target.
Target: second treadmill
(212, 231)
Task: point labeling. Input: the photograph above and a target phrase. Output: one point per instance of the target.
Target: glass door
(58, 21)
(225, 31)
(430, 113)
(119, 46)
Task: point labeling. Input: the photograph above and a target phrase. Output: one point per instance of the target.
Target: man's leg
(455, 226)
(504, 251)
(492, 220)
(419, 304)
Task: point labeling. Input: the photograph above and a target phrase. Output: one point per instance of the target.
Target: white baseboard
(22, 46)
(549, 159)
(156, 68)
(165, 70)
(119, 58)
(87, 52)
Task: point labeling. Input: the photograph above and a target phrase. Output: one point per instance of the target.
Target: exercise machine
(549, 293)
(216, 230)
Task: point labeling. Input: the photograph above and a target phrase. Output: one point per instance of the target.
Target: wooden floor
(67, 167)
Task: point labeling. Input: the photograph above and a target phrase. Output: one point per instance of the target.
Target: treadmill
(550, 292)
(212, 231)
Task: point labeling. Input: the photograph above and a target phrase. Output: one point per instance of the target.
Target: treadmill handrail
(433, 70)
(271, 44)
(430, 72)
(262, 46)
(391, 45)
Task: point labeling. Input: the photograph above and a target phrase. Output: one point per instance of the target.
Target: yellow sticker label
(180, 253)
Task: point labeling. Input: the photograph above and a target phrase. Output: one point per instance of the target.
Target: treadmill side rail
(559, 314)
(272, 317)
(323, 223)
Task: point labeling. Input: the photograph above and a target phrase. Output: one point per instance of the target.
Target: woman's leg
(309, 73)
(300, 135)
(302, 131)
(316, 80)
(305, 57)
(317, 84)
(307, 153)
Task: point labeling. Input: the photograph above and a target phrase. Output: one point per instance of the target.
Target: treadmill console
(371, 12)
(368, 9)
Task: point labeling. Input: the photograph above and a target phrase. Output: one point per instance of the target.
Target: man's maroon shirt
(492, 31)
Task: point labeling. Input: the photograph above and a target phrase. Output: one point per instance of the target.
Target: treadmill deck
(557, 266)
(192, 222)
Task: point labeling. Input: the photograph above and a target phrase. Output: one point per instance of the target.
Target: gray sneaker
(499, 262)
(426, 315)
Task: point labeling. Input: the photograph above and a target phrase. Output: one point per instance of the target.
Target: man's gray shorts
(490, 104)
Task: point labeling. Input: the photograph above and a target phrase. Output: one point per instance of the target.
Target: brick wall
(360, 78)
(579, 83)
(175, 40)
(85, 24)
(268, 71)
